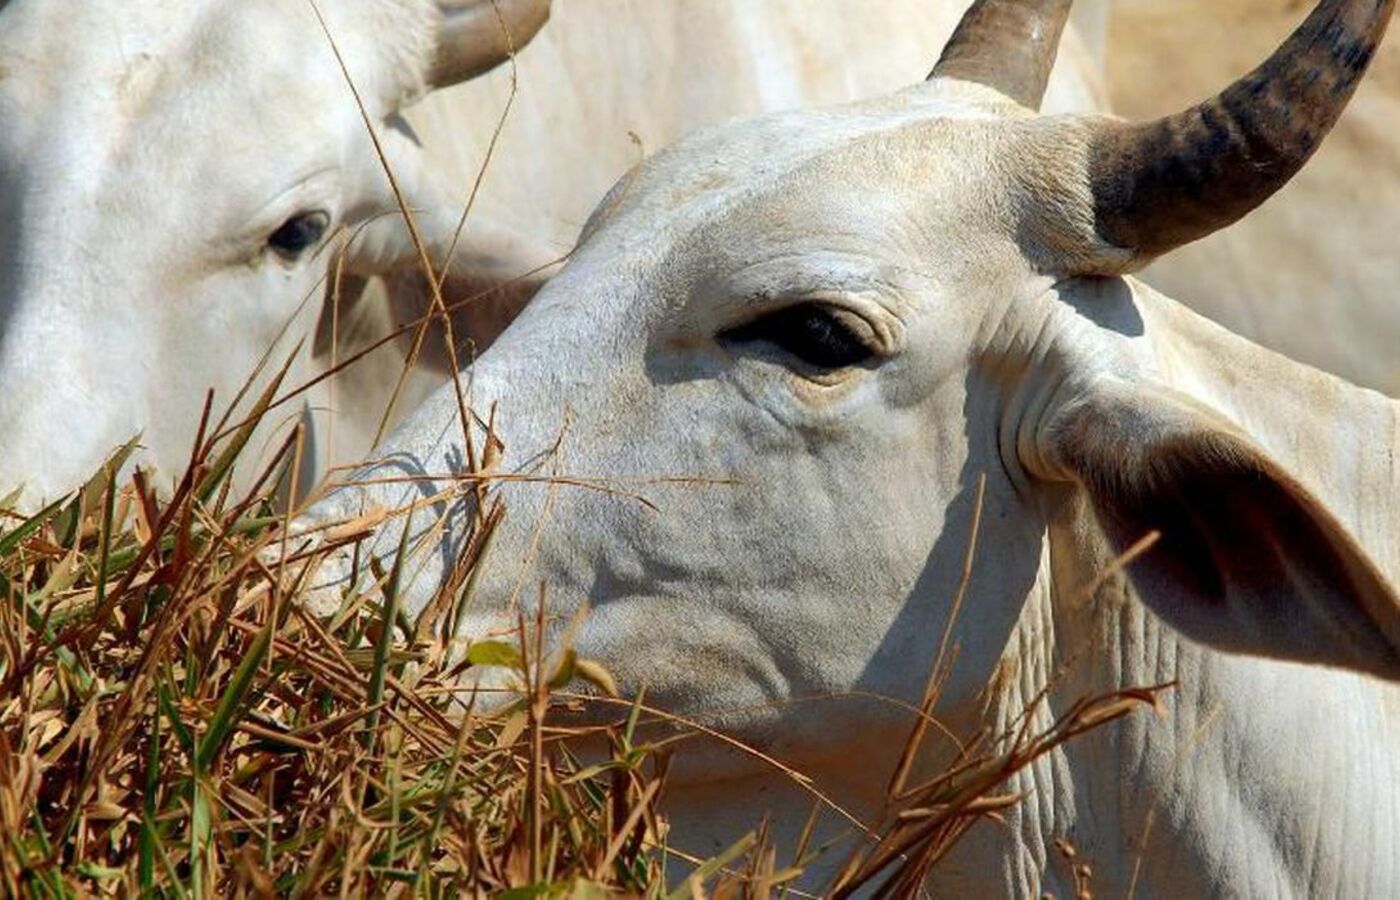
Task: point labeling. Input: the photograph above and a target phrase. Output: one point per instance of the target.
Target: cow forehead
(108, 62)
(794, 184)
(147, 123)
(718, 163)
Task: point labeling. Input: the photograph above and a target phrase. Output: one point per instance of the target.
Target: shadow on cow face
(176, 179)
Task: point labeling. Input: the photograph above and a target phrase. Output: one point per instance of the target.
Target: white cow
(833, 324)
(171, 177)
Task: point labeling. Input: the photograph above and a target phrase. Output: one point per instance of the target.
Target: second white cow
(173, 180)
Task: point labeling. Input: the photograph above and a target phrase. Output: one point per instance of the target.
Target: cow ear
(478, 35)
(1247, 559)
(380, 241)
(487, 252)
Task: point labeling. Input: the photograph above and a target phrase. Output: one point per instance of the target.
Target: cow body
(580, 119)
(806, 339)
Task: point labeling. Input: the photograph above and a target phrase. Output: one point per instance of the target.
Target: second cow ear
(379, 240)
(1247, 560)
(478, 35)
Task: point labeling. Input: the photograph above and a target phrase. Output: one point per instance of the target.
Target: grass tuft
(174, 723)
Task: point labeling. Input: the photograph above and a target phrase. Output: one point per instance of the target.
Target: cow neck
(1173, 804)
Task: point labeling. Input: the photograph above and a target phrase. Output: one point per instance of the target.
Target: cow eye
(299, 234)
(811, 332)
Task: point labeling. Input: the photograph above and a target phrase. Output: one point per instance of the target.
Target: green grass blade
(495, 653)
(26, 529)
(146, 865)
(105, 551)
(223, 463)
(69, 522)
(7, 503)
(227, 713)
(167, 706)
(201, 831)
(386, 632)
(712, 866)
(168, 867)
(106, 478)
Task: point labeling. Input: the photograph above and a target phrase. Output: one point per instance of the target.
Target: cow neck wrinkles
(1211, 791)
(1234, 727)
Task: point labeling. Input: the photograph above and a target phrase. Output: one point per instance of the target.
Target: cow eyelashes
(811, 332)
(299, 234)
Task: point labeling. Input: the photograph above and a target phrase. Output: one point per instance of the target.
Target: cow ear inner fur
(1248, 560)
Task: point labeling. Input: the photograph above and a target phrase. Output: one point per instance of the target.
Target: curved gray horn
(1163, 184)
(478, 35)
(1009, 45)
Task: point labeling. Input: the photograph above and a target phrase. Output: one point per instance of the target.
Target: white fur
(149, 150)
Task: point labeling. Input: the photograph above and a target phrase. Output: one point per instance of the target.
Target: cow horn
(478, 35)
(1009, 45)
(1159, 185)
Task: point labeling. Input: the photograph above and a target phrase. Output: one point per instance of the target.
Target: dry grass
(172, 722)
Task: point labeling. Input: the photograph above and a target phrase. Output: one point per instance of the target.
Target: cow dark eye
(811, 332)
(299, 234)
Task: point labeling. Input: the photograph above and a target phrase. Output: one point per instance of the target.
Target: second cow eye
(808, 331)
(299, 234)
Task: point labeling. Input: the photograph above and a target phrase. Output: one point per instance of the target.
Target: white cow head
(834, 324)
(171, 179)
